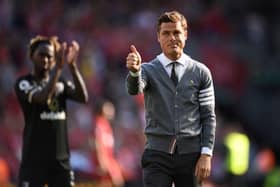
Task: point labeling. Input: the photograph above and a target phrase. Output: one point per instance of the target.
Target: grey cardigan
(184, 115)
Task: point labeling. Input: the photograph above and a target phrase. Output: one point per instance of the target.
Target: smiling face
(172, 34)
(172, 38)
(43, 59)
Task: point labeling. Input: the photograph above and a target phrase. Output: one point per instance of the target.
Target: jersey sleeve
(25, 90)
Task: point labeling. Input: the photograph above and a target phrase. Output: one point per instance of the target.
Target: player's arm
(28, 92)
(44, 94)
(79, 93)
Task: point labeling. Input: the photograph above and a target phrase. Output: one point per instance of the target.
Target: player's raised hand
(133, 60)
(72, 52)
(60, 55)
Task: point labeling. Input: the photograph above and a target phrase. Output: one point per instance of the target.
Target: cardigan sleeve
(136, 82)
(206, 98)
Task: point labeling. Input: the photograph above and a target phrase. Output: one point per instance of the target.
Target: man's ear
(158, 36)
(186, 34)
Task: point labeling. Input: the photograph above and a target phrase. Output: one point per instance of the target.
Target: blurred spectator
(238, 155)
(273, 178)
(107, 169)
(4, 173)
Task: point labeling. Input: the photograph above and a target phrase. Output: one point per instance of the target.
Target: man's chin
(175, 54)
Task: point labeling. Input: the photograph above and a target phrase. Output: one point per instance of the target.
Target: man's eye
(43, 55)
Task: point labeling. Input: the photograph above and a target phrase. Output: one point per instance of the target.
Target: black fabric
(161, 169)
(44, 139)
(55, 174)
(174, 77)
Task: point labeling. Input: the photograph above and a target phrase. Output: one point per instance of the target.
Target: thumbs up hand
(133, 60)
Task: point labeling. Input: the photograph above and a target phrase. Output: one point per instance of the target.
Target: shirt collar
(166, 61)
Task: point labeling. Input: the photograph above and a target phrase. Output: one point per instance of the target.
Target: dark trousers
(54, 174)
(161, 169)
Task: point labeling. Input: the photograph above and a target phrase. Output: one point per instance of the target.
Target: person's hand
(203, 167)
(72, 53)
(133, 60)
(60, 55)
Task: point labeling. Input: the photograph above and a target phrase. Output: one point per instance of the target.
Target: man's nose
(172, 37)
(46, 59)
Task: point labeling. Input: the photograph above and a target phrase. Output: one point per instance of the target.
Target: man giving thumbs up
(133, 60)
(179, 105)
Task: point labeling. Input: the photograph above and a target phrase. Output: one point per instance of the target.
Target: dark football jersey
(45, 131)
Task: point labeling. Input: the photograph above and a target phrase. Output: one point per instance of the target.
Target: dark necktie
(174, 77)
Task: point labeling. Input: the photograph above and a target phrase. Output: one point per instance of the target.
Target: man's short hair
(172, 16)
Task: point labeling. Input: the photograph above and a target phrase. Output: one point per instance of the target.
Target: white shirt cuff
(207, 151)
(135, 74)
